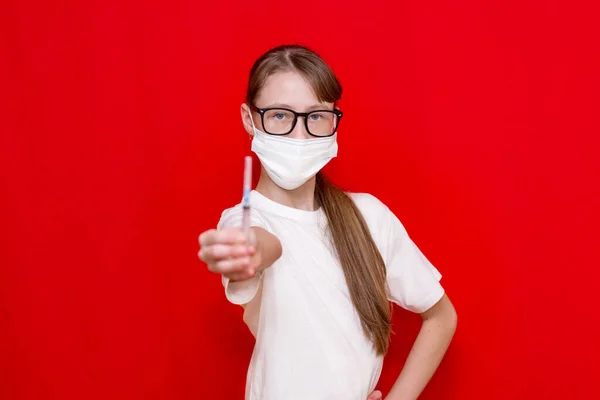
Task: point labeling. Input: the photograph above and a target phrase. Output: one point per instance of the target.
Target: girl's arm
(439, 325)
(267, 249)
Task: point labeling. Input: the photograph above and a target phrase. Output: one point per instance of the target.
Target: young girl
(320, 266)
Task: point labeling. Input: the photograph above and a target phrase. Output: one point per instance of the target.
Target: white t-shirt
(309, 340)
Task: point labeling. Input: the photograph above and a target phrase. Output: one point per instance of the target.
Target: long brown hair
(359, 257)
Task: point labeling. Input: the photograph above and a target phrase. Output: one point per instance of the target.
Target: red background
(121, 141)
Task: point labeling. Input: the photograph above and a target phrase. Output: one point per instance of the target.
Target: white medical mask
(290, 162)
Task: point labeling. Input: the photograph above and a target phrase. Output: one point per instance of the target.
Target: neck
(302, 198)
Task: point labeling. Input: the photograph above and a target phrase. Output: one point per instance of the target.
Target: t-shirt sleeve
(414, 283)
(241, 292)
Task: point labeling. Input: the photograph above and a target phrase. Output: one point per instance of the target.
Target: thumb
(376, 395)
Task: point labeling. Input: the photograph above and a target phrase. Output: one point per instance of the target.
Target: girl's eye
(278, 115)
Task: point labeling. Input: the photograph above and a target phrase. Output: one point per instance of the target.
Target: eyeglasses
(281, 121)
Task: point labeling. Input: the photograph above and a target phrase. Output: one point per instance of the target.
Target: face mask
(291, 162)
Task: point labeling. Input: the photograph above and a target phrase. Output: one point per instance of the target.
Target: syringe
(246, 195)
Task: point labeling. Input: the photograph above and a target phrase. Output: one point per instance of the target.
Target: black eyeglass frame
(262, 112)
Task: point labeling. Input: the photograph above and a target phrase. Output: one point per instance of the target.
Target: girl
(320, 266)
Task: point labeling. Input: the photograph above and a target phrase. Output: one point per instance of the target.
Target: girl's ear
(247, 119)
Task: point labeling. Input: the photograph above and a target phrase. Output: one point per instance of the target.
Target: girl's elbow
(452, 320)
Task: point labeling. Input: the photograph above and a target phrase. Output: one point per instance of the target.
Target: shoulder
(375, 212)
(233, 215)
(230, 214)
(369, 205)
(231, 209)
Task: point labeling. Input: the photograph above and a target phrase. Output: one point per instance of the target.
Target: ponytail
(363, 266)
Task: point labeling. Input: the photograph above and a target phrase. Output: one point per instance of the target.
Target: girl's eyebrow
(283, 105)
(279, 105)
(317, 107)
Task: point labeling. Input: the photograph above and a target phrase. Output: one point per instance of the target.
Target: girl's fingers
(223, 236)
(241, 276)
(376, 395)
(218, 252)
(241, 251)
(233, 265)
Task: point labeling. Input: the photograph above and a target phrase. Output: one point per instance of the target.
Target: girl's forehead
(287, 88)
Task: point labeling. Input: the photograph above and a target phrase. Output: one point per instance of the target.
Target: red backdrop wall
(477, 123)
